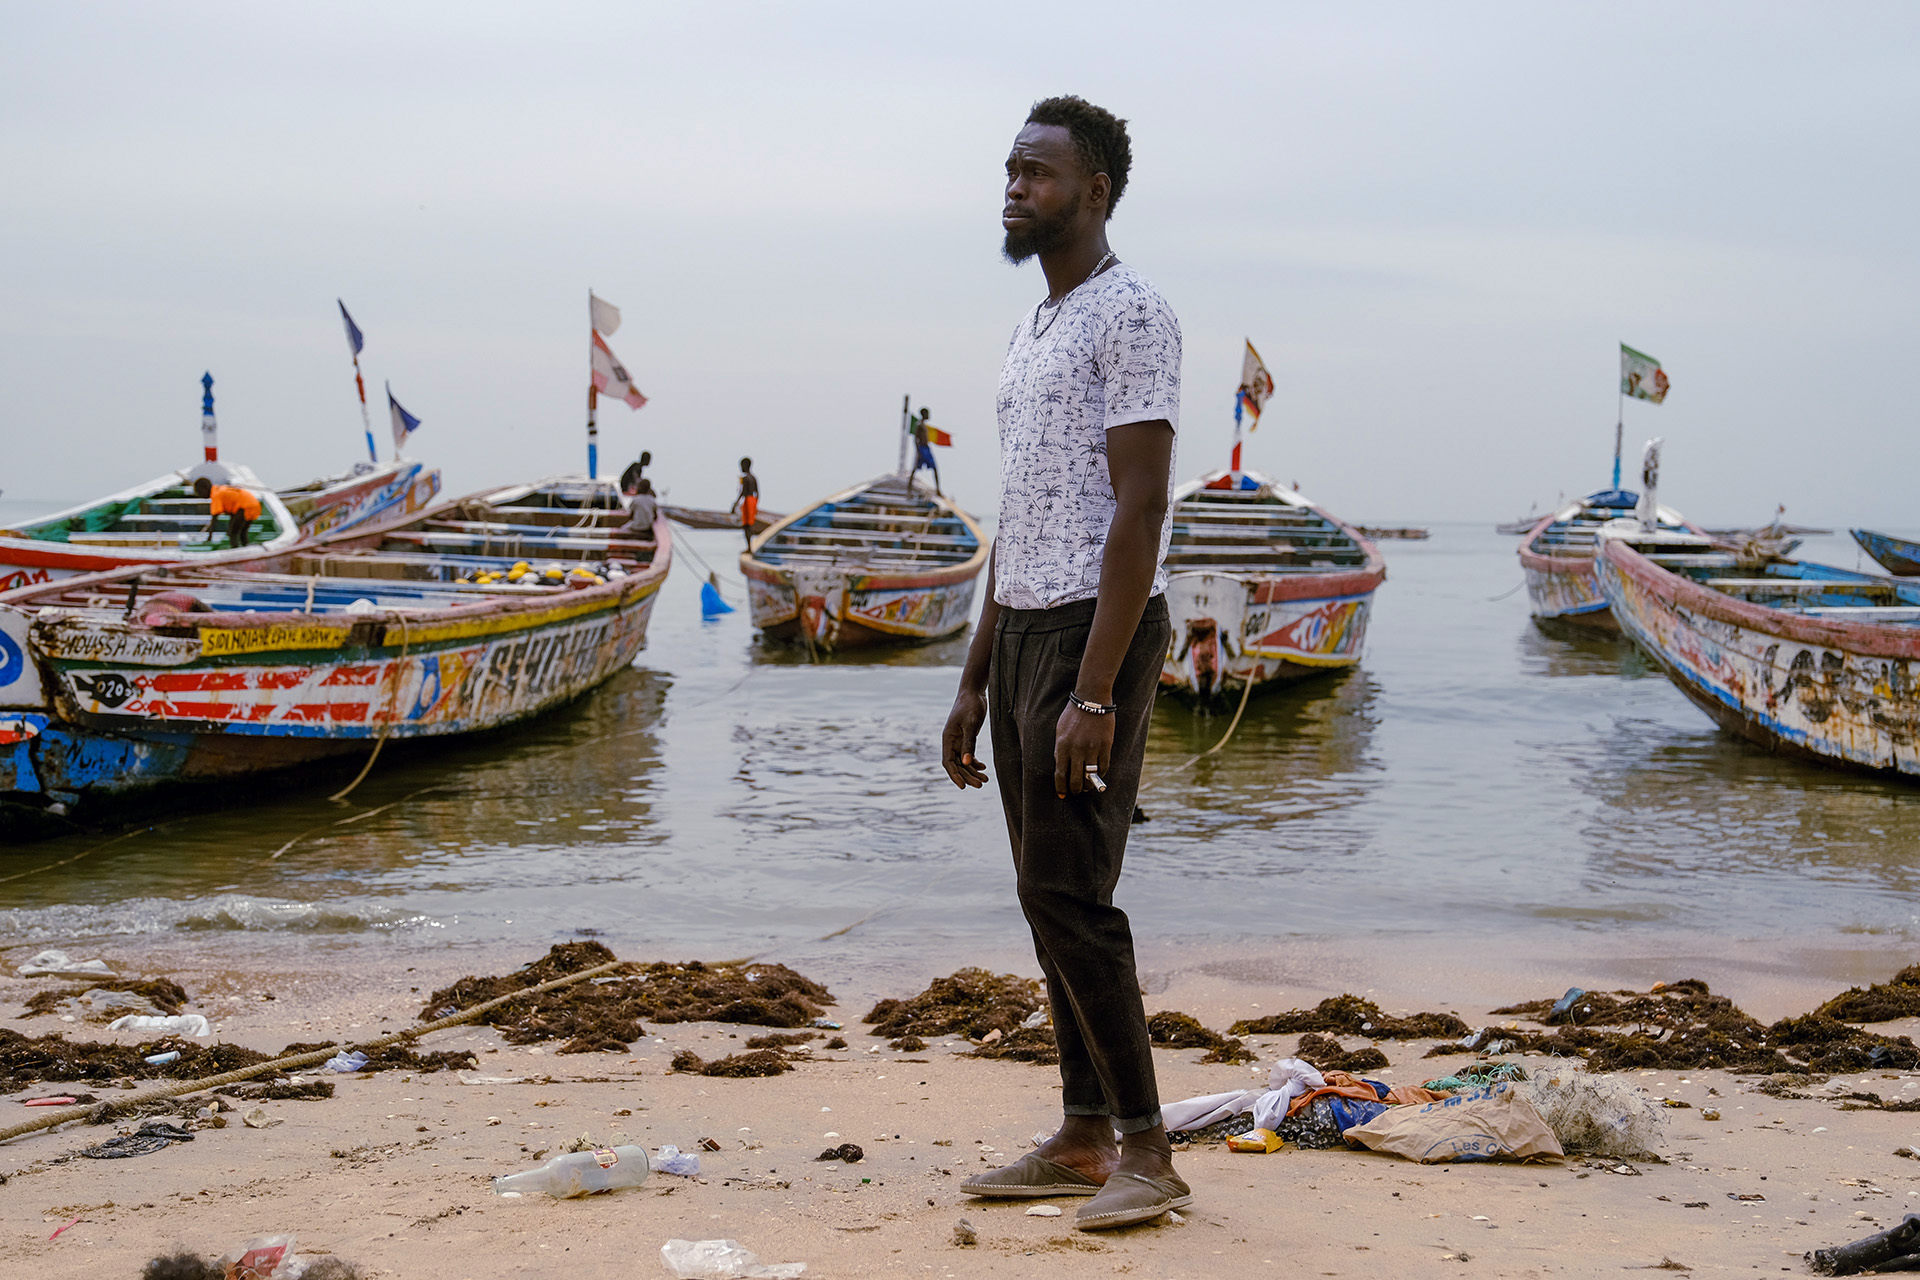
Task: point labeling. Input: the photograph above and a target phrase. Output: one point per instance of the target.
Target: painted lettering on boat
(220, 641)
(68, 639)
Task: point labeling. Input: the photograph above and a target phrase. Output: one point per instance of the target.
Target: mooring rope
(386, 729)
(1246, 692)
(106, 1109)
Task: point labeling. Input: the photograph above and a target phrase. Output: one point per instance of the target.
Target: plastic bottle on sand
(579, 1173)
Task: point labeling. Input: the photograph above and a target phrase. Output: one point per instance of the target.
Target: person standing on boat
(635, 472)
(240, 507)
(923, 446)
(1067, 657)
(748, 502)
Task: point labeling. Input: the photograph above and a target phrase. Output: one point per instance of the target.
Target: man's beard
(1044, 235)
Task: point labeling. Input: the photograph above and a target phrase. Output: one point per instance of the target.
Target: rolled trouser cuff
(1085, 1109)
(1139, 1124)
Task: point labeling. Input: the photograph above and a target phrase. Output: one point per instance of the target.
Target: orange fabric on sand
(1341, 1084)
(226, 500)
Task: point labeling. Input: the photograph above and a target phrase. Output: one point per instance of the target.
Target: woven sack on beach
(1484, 1124)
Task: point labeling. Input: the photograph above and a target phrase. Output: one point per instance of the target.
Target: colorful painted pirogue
(473, 614)
(1805, 659)
(886, 562)
(1900, 557)
(1262, 586)
(1557, 557)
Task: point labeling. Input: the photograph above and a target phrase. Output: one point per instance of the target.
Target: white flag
(606, 316)
(610, 377)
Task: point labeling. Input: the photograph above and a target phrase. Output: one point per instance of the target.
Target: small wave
(237, 912)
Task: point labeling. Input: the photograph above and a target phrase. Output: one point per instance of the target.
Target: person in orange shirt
(240, 507)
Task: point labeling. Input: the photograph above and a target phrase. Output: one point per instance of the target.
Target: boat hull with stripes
(1556, 556)
(1263, 587)
(390, 632)
(884, 563)
(1804, 659)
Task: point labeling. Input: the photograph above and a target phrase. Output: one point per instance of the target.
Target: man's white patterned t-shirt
(1109, 355)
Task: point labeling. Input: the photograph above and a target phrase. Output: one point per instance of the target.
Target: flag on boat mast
(404, 423)
(1256, 386)
(1641, 376)
(356, 343)
(607, 374)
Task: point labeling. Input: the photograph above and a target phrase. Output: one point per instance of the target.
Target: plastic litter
(162, 1059)
(672, 1159)
(59, 963)
(722, 1260)
(179, 1024)
(1044, 1211)
(826, 1024)
(711, 605)
(259, 1119)
(263, 1258)
(1260, 1141)
(580, 1173)
(1899, 1246)
(154, 1135)
(1565, 1002)
(1596, 1115)
(346, 1062)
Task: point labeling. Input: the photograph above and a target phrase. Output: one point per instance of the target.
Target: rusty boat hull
(1806, 660)
(883, 563)
(394, 631)
(1264, 587)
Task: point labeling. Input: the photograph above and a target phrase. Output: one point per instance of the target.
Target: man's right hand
(962, 732)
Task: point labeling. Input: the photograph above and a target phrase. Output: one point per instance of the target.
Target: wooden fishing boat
(473, 614)
(1557, 556)
(1805, 659)
(707, 518)
(162, 522)
(1898, 556)
(1263, 587)
(886, 562)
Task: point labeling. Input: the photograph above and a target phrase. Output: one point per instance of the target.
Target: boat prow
(1897, 555)
(1263, 587)
(885, 562)
(1556, 555)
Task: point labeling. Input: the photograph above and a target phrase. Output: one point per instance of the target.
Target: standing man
(1067, 658)
(923, 446)
(748, 501)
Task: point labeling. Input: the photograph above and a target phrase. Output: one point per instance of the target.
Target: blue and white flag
(354, 339)
(404, 423)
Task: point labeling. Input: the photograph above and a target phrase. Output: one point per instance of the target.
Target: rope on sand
(105, 1109)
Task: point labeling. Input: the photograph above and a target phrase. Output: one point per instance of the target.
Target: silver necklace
(1038, 328)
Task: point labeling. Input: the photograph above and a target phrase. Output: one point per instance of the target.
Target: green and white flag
(1641, 375)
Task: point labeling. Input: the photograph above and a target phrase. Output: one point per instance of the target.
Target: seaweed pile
(25, 1060)
(1684, 1026)
(1026, 1044)
(606, 1013)
(1353, 1016)
(1327, 1054)
(398, 1057)
(970, 1002)
(1881, 1002)
(754, 1062)
(164, 995)
(1177, 1030)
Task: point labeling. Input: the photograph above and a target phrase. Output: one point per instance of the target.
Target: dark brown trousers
(1067, 853)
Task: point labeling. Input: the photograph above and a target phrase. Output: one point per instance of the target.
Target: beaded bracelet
(1092, 708)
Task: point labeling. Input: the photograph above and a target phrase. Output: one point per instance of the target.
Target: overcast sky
(1435, 221)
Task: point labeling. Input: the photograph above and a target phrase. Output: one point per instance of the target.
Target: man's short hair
(203, 488)
(1098, 135)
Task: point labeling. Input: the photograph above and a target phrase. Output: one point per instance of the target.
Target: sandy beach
(393, 1172)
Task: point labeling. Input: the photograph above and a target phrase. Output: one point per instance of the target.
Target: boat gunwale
(1863, 639)
(873, 577)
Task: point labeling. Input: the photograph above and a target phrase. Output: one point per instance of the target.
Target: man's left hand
(1080, 740)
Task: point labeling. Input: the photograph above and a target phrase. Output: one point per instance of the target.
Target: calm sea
(1475, 778)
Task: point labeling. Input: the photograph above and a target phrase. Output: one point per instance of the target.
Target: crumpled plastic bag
(178, 1024)
(1486, 1124)
(59, 962)
(723, 1260)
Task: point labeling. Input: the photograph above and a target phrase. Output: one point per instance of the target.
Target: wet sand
(392, 1173)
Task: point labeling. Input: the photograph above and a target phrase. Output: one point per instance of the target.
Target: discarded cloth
(1485, 1124)
(154, 1135)
(1289, 1079)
